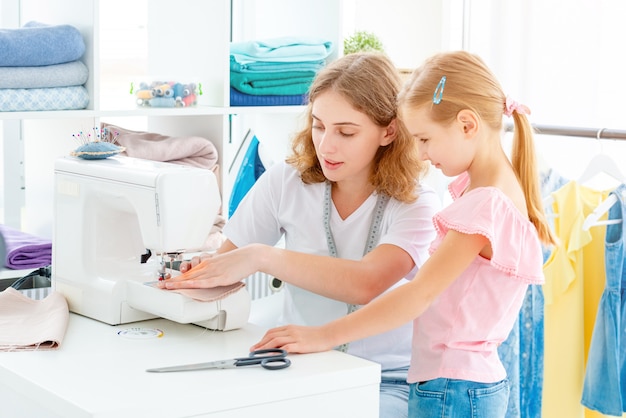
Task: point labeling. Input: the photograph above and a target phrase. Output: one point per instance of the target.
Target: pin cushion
(96, 147)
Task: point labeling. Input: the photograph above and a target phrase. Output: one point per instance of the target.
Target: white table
(100, 372)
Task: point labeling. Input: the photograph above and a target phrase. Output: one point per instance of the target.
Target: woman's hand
(195, 260)
(212, 270)
(297, 339)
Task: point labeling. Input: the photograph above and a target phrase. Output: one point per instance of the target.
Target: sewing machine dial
(140, 333)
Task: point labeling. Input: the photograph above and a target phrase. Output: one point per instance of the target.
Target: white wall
(563, 59)
(409, 30)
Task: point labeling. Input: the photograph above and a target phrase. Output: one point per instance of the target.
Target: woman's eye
(343, 133)
(317, 127)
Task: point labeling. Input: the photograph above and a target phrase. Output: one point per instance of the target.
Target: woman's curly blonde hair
(370, 83)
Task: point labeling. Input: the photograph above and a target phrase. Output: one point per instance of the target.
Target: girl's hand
(297, 339)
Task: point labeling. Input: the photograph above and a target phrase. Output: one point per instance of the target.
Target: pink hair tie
(511, 105)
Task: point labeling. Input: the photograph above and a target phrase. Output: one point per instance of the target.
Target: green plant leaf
(362, 41)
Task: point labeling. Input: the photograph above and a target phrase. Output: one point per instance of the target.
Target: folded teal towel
(73, 73)
(274, 67)
(286, 83)
(37, 44)
(283, 49)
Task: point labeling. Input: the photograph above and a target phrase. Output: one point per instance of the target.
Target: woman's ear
(469, 121)
(390, 133)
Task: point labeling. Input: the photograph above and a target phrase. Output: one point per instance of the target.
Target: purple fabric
(25, 251)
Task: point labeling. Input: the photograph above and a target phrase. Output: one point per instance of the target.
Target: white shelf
(13, 274)
(147, 112)
(197, 50)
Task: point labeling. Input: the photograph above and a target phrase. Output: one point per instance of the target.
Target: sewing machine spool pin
(167, 262)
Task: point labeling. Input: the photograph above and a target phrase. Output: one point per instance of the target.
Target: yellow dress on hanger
(575, 278)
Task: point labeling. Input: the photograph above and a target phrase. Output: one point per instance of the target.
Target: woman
(348, 201)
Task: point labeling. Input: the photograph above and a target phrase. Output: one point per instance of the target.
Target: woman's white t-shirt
(280, 204)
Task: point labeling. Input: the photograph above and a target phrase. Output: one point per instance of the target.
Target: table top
(99, 369)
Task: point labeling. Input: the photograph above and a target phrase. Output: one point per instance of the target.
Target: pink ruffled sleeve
(514, 241)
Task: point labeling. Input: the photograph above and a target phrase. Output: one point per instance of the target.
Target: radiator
(260, 285)
(38, 293)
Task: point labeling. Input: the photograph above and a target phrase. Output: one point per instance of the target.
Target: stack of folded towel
(21, 250)
(40, 68)
(276, 71)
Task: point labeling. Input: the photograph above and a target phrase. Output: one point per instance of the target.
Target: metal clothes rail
(601, 133)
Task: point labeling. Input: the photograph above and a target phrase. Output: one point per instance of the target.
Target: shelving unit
(184, 40)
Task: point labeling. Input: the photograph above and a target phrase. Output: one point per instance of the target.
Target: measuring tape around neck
(373, 235)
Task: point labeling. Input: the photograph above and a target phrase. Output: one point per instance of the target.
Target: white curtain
(565, 57)
(566, 60)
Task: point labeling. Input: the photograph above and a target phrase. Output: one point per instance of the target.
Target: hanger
(593, 219)
(602, 163)
(548, 201)
(246, 141)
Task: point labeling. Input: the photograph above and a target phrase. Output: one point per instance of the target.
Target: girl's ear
(469, 121)
(390, 133)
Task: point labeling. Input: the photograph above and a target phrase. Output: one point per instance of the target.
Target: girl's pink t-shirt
(458, 335)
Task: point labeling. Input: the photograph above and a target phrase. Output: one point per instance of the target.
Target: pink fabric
(187, 150)
(207, 295)
(458, 335)
(212, 294)
(27, 324)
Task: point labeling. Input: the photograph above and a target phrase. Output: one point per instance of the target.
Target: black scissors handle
(269, 358)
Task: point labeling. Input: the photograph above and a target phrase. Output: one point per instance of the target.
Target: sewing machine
(119, 222)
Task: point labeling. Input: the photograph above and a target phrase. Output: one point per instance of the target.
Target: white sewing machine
(108, 214)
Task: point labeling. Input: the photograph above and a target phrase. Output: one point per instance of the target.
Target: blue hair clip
(438, 94)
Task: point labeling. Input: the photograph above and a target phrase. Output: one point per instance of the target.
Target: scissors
(269, 358)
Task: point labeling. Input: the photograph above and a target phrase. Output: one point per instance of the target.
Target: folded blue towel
(53, 98)
(283, 49)
(73, 73)
(275, 67)
(238, 98)
(37, 44)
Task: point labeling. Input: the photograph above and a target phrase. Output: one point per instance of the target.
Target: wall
(409, 30)
(563, 60)
(530, 45)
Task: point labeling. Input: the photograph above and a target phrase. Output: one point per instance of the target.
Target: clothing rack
(602, 133)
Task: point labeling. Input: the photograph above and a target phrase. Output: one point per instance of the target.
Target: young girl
(354, 217)
(466, 297)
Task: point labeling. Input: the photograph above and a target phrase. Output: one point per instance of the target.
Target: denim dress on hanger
(522, 352)
(604, 388)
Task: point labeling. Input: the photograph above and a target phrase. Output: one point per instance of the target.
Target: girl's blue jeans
(452, 398)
